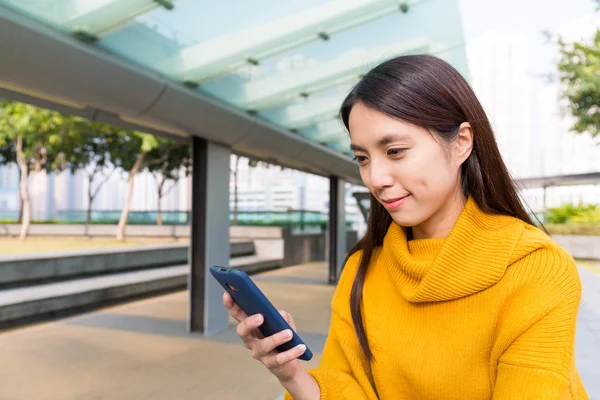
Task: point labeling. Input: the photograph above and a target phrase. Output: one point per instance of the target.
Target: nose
(380, 174)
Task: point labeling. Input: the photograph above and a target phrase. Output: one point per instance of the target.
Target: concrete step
(30, 269)
(20, 306)
(34, 303)
(254, 263)
(242, 248)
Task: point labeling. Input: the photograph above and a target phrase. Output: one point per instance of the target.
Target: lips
(390, 201)
(393, 204)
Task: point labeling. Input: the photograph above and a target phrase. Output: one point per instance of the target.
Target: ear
(464, 142)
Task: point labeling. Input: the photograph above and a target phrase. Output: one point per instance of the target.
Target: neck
(440, 224)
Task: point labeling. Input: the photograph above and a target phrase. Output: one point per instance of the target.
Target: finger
(269, 344)
(279, 359)
(288, 318)
(249, 342)
(245, 328)
(227, 300)
(234, 310)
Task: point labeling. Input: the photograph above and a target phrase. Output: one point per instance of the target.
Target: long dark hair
(427, 91)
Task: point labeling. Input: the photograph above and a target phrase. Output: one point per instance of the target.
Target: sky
(528, 17)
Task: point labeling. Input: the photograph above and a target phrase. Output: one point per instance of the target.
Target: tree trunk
(88, 218)
(92, 195)
(20, 217)
(235, 191)
(125, 212)
(160, 182)
(25, 203)
(159, 220)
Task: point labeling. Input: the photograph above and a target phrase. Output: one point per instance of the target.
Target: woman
(452, 293)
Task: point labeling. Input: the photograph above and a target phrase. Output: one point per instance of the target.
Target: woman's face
(411, 172)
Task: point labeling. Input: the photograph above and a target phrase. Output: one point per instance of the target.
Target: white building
(263, 188)
(498, 64)
(52, 193)
(259, 189)
(9, 186)
(566, 152)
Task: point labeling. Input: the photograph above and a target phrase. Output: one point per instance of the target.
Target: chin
(405, 222)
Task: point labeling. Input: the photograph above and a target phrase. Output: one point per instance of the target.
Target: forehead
(368, 125)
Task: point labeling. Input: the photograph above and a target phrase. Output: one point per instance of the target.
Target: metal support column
(337, 227)
(545, 200)
(209, 235)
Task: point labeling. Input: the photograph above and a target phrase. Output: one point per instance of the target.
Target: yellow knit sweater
(487, 313)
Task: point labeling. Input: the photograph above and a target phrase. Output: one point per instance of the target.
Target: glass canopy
(290, 63)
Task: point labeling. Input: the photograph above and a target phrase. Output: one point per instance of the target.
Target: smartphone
(252, 301)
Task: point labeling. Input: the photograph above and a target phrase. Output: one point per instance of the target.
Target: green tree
(579, 73)
(88, 151)
(168, 168)
(36, 136)
(132, 153)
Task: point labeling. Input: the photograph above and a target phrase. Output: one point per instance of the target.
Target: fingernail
(257, 318)
(286, 334)
(301, 348)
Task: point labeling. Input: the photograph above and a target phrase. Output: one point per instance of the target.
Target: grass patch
(36, 244)
(591, 265)
(566, 229)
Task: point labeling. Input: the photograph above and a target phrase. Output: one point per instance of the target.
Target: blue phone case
(252, 301)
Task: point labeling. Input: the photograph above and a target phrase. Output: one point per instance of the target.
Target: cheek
(431, 175)
(364, 176)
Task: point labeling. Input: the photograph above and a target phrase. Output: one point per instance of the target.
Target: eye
(396, 152)
(360, 159)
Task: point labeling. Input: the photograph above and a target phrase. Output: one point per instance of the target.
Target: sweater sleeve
(539, 363)
(343, 372)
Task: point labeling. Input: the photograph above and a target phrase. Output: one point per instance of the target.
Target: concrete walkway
(141, 350)
(588, 333)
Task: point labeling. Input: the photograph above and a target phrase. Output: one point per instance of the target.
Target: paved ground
(588, 333)
(142, 351)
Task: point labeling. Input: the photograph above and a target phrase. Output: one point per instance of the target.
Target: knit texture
(487, 313)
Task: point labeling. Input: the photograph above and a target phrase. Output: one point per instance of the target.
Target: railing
(266, 218)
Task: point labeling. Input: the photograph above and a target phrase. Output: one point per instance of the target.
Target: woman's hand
(285, 365)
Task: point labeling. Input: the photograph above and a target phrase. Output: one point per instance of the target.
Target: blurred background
(141, 141)
(525, 70)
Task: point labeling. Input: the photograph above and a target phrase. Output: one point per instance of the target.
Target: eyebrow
(384, 141)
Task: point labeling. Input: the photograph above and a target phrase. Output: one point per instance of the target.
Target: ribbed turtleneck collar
(473, 257)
